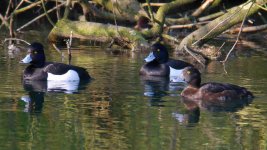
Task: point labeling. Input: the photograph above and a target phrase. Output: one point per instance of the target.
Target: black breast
(155, 69)
(33, 73)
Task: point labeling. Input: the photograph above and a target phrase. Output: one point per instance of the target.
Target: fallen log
(106, 33)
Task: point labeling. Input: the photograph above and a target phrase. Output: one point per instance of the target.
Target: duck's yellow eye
(34, 52)
(188, 72)
(158, 50)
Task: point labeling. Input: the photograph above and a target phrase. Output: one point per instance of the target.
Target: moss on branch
(128, 9)
(98, 32)
(161, 14)
(235, 16)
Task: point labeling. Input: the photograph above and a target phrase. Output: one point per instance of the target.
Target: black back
(40, 73)
(38, 68)
(160, 65)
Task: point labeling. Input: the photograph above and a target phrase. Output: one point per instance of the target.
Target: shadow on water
(155, 88)
(37, 90)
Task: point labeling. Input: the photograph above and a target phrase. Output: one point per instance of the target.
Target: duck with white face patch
(158, 63)
(39, 69)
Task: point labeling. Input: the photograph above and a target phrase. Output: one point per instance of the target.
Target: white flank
(71, 75)
(63, 86)
(175, 75)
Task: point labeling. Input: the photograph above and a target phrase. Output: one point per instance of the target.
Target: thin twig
(263, 8)
(4, 21)
(224, 68)
(59, 51)
(250, 29)
(8, 8)
(68, 43)
(42, 15)
(221, 46)
(229, 17)
(191, 25)
(16, 39)
(67, 9)
(11, 27)
(153, 4)
(47, 16)
(16, 12)
(150, 10)
(56, 48)
(193, 55)
(240, 31)
(212, 16)
(114, 16)
(202, 8)
(115, 20)
(20, 3)
(58, 10)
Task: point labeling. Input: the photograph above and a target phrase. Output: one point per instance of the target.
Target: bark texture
(201, 33)
(98, 32)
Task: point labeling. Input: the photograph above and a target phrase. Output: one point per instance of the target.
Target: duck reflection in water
(37, 89)
(34, 102)
(193, 108)
(155, 88)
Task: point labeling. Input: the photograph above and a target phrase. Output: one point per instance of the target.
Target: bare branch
(153, 4)
(16, 39)
(249, 29)
(40, 16)
(193, 55)
(202, 8)
(16, 12)
(226, 19)
(238, 34)
(46, 14)
(191, 25)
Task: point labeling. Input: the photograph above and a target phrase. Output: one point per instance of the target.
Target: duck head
(35, 55)
(159, 53)
(191, 76)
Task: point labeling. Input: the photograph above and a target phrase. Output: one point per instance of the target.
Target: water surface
(120, 110)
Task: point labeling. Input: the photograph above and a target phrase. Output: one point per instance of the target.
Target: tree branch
(238, 34)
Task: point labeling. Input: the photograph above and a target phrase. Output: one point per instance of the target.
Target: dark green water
(119, 110)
